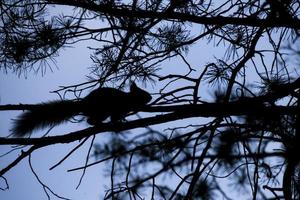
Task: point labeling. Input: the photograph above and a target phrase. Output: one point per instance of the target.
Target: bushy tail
(44, 115)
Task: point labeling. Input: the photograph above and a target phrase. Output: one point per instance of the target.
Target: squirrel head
(141, 95)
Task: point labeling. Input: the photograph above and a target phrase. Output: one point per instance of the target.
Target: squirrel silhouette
(96, 107)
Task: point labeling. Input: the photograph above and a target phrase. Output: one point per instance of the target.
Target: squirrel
(96, 107)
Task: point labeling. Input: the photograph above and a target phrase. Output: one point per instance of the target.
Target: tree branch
(177, 113)
(142, 14)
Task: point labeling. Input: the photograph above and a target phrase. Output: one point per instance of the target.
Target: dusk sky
(72, 66)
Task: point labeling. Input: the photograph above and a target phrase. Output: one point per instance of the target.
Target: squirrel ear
(133, 86)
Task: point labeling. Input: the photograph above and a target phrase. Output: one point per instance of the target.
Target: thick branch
(177, 113)
(141, 14)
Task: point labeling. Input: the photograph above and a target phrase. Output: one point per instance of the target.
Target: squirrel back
(113, 103)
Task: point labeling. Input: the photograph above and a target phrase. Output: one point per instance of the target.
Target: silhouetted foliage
(239, 134)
